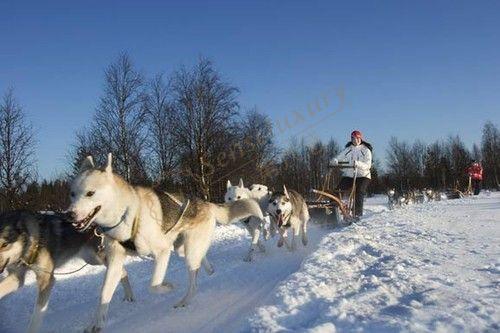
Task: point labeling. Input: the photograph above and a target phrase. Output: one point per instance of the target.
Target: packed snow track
(430, 267)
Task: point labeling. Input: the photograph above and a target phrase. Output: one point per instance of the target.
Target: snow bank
(432, 267)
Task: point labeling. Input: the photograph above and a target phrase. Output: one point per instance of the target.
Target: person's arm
(365, 162)
(341, 157)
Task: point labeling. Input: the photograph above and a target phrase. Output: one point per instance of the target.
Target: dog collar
(105, 229)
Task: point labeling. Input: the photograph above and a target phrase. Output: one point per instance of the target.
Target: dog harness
(31, 254)
(130, 243)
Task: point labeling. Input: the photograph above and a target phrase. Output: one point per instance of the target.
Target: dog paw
(93, 329)
(304, 242)
(163, 288)
(181, 304)
(267, 234)
(210, 271)
(280, 243)
(247, 259)
(128, 299)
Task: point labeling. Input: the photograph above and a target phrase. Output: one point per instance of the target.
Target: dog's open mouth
(2, 268)
(279, 219)
(84, 224)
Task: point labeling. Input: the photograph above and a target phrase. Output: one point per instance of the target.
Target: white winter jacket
(363, 157)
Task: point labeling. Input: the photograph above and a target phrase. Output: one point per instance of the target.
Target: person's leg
(345, 184)
(361, 186)
(477, 186)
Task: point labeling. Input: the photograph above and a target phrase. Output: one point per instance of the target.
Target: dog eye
(230, 199)
(258, 189)
(239, 197)
(275, 203)
(4, 245)
(90, 193)
(72, 194)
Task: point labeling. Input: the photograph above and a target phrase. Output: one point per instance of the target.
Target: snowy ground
(431, 267)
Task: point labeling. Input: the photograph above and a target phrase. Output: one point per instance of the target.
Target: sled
(333, 203)
(469, 187)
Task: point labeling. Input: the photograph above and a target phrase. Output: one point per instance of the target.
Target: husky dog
(140, 221)
(254, 225)
(429, 194)
(289, 209)
(393, 198)
(262, 194)
(42, 243)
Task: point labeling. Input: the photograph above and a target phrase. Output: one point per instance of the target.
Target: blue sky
(420, 69)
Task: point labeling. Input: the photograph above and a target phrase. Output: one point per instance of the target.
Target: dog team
(108, 219)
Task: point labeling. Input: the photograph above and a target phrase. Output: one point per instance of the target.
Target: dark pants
(476, 184)
(361, 186)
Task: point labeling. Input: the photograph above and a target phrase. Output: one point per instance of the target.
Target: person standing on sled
(475, 172)
(358, 154)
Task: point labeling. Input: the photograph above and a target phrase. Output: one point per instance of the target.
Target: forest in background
(187, 132)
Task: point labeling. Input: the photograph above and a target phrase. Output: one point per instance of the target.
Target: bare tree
(317, 166)
(476, 152)
(490, 149)
(400, 163)
(17, 146)
(255, 150)
(434, 167)
(459, 158)
(418, 151)
(205, 114)
(85, 145)
(161, 142)
(119, 119)
(294, 167)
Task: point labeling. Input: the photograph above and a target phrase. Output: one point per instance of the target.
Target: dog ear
(285, 191)
(87, 164)
(240, 185)
(228, 185)
(109, 164)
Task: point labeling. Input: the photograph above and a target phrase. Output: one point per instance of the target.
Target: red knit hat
(356, 134)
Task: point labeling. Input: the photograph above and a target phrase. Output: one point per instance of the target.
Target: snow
(430, 267)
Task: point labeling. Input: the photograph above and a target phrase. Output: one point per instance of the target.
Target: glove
(334, 162)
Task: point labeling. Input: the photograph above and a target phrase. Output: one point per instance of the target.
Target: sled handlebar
(340, 166)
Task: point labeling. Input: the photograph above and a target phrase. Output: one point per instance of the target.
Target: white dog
(139, 221)
(254, 225)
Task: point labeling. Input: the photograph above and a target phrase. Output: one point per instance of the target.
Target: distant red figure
(475, 172)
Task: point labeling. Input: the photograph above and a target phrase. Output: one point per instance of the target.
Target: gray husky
(42, 243)
(288, 209)
(140, 221)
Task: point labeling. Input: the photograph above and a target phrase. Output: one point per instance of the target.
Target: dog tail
(238, 210)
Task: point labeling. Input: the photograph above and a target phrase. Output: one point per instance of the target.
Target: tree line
(186, 131)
